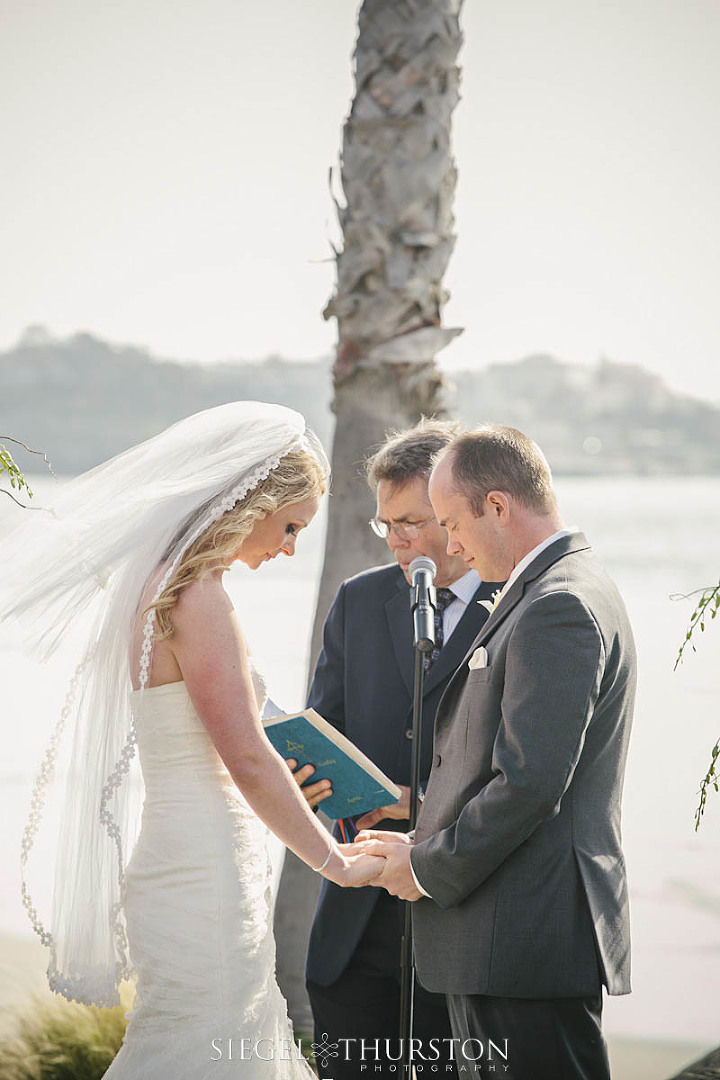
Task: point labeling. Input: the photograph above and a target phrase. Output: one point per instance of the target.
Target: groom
(363, 685)
(522, 912)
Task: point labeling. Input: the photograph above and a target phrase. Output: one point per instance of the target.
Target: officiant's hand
(398, 810)
(314, 793)
(396, 875)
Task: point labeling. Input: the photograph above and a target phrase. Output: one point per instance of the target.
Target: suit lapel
(400, 624)
(399, 617)
(455, 648)
(501, 612)
(566, 545)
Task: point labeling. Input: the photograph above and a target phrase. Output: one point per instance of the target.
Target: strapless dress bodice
(175, 750)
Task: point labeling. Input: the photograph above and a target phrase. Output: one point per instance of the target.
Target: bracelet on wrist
(319, 869)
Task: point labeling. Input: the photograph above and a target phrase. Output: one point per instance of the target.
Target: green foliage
(10, 469)
(706, 608)
(306, 1046)
(63, 1040)
(711, 779)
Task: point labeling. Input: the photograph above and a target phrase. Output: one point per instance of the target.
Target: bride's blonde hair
(300, 475)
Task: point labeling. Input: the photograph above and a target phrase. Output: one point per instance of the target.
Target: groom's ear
(499, 506)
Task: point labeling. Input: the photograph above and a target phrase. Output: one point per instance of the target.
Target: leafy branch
(706, 608)
(14, 475)
(711, 779)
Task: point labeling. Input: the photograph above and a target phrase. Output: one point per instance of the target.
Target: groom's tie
(443, 598)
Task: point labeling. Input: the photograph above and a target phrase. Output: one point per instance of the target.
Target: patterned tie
(444, 597)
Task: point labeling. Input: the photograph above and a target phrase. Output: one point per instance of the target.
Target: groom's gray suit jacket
(518, 839)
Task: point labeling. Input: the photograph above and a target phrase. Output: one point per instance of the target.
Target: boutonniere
(493, 602)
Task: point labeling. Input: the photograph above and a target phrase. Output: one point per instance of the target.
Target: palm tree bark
(398, 177)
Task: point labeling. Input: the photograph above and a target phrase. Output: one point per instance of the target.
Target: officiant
(363, 685)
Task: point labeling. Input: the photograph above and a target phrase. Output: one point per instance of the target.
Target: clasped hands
(394, 873)
(371, 846)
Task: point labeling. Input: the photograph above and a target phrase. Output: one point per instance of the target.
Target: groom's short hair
(499, 458)
(409, 453)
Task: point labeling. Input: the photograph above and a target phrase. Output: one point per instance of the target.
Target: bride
(139, 545)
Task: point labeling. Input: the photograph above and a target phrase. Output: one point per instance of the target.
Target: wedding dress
(198, 908)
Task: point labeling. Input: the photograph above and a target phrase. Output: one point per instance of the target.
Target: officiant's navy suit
(363, 685)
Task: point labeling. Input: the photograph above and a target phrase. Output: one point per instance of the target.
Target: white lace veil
(90, 559)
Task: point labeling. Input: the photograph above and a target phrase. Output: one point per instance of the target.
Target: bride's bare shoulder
(204, 599)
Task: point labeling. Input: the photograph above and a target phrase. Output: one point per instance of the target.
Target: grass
(57, 1039)
(306, 1040)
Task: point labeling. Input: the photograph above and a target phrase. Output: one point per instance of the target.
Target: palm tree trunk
(398, 176)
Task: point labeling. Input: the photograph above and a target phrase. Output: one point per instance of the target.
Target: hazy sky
(164, 164)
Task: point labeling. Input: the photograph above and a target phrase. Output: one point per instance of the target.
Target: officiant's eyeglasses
(402, 529)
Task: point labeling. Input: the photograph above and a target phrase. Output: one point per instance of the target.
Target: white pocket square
(478, 659)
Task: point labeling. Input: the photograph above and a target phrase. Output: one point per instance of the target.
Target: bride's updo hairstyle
(299, 476)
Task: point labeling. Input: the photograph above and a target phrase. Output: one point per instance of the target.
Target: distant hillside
(610, 418)
(82, 400)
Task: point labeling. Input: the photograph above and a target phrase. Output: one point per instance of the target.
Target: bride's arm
(210, 650)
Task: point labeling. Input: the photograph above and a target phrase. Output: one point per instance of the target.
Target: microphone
(422, 601)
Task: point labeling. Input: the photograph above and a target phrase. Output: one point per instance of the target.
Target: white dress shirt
(532, 555)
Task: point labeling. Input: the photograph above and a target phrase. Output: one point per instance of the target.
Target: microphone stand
(424, 643)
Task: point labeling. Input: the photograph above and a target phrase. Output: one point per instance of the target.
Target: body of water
(658, 538)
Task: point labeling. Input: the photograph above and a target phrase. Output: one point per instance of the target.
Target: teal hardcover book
(357, 784)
